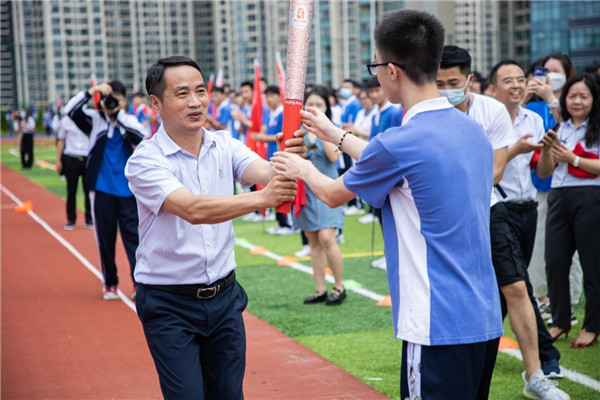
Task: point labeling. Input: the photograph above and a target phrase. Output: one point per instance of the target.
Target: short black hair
(413, 39)
(218, 89)
(247, 83)
(454, 56)
(155, 84)
(272, 89)
(495, 68)
(118, 87)
(373, 83)
(139, 94)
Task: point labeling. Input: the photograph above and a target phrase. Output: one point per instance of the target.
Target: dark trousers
(447, 372)
(198, 346)
(573, 223)
(73, 169)
(26, 150)
(108, 211)
(522, 226)
(282, 220)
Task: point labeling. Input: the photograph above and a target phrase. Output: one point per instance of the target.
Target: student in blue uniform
(445, 300)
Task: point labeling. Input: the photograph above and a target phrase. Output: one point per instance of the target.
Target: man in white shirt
(188, 299)
(454, 78)
(72, 149)
(516, 189)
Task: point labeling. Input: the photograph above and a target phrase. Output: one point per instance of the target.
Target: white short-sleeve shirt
(173, 251)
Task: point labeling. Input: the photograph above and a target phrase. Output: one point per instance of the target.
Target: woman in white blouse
(572, 155)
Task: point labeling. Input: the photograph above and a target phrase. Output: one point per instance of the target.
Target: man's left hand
(295, 145)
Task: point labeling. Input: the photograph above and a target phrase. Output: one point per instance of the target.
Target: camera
(110, 102)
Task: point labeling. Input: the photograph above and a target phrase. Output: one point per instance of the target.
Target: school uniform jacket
(97, 125)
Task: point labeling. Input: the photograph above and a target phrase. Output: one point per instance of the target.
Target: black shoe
(315, 297)
(336, 297)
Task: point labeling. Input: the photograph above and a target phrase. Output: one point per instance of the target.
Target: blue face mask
(345, 93)
(455, 96)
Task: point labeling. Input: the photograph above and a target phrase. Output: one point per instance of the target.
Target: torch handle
(291, 123)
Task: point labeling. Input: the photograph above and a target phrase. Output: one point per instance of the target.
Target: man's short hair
(413, 39)
(247, 83)
(118, 87)
(373, 83)
(495, 68)
(155, 83)
(454, 56)
(139, 94)
(272, 89)
(218, 89)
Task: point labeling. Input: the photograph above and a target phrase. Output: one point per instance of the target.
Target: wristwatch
(554, 103)
(576, 161)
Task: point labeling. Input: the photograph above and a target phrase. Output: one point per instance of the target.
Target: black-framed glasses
(372, 67)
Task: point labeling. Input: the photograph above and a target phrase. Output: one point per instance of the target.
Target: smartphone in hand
(541, 73)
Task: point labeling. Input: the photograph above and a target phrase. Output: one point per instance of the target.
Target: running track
(60, 340)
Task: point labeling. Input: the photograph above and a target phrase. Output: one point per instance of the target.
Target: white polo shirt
(495, 120)
(77, 143)
(173, 251)
(516, 181)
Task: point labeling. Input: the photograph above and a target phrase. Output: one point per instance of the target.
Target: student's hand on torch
(295, 145)
(278, 191)
(290, 166)
(316, 122)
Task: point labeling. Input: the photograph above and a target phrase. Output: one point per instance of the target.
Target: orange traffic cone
(25, 207)
(385, 302)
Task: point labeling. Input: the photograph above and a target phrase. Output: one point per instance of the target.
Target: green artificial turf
(358, 335)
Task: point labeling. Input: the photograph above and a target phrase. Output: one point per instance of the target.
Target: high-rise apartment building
(515, 31)
(477, 30)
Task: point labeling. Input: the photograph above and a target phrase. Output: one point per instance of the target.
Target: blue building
(572, 27)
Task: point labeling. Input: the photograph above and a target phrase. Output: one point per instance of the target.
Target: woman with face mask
(317, 220)
(572, 154)
(560, 69)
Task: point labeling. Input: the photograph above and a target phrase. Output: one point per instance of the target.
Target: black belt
(78, 158)
(198, 291)
(520, 207)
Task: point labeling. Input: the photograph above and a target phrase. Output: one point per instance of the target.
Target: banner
(256, 116)
(295, 71)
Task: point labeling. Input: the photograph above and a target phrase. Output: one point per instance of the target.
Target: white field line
(303, 268)
(568, 373)
(68, 246)
(37, 162)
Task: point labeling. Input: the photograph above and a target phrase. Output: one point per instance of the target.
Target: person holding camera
(113, 134)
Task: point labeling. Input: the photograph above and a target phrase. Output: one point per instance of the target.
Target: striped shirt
(173, 251)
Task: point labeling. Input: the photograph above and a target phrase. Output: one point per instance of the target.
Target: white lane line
(68, 246)
(568, 373)
(308, 270)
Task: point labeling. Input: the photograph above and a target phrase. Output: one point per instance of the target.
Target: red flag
(256, 115)
(211, 82)
(97, 96)
(280, 76)
(59, 103)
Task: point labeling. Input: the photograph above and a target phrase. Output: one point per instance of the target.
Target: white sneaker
(305, 252)
(353, 210)
(540, 387)
(272, 230)
(110, 293)
(367, 218)
(340, 238)
(286, 231)
(379, 263)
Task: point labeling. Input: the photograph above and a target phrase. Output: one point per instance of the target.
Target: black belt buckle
(207, 293)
